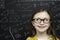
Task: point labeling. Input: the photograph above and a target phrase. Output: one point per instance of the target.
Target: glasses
(38, 20)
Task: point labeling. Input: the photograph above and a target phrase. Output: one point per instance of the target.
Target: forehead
(43, 14)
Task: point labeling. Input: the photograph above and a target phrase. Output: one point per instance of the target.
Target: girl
(42, 26)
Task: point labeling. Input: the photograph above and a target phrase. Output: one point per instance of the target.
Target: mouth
(41, 26)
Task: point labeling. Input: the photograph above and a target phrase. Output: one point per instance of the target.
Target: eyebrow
(41, 18)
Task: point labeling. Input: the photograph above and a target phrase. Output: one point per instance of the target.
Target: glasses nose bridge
(42, 19)
(42, 22)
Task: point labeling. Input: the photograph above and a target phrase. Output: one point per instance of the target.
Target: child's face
(41, 21)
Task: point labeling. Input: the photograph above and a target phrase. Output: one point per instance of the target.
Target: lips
(41, 26)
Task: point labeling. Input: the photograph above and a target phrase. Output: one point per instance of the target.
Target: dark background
(15, 15)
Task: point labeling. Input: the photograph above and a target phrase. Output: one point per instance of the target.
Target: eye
(46, 19)
(38, 19)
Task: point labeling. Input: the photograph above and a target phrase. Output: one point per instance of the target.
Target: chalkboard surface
(15, 15)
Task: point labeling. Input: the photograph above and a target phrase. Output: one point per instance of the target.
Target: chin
(42, 31)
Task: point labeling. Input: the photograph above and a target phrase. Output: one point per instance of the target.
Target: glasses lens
(38, 20)
(46, 21)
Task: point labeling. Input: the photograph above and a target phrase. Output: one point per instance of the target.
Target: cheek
(48, 25)
(34, 24)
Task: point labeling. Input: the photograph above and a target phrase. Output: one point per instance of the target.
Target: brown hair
(51, 29)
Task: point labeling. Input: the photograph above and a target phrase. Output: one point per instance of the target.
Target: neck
(41, 34)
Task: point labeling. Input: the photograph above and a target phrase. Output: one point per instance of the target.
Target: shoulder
(57, 38)
(31, 38)
(52, 38)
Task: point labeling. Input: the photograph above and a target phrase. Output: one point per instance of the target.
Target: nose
(42, 23)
